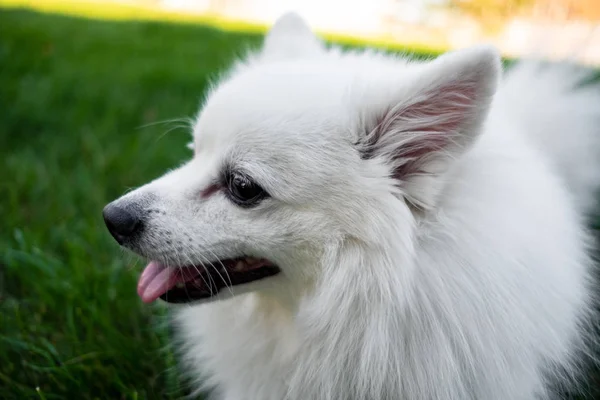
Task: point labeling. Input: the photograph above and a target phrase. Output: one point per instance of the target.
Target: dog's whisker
(187, 121)
(189, 250)
(162, 135)
(207, 273)
(193, 265)
(229, 285)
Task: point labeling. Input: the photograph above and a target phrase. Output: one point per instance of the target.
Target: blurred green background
(79, 102)
(89, 109)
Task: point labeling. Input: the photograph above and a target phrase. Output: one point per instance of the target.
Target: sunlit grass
(130, 12)
(108, 10)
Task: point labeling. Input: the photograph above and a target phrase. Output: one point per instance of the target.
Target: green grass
(74, 96)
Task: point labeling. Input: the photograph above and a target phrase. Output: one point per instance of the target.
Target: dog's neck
(366, 293)
(353, 314)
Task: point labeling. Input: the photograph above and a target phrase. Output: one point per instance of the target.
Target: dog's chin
(201, 283)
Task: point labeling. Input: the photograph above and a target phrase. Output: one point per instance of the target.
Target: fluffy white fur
(428, 218)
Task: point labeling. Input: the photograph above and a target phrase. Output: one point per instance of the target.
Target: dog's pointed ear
(420, 129)
(290, 37)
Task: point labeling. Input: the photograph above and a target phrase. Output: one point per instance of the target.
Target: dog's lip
(188, 283)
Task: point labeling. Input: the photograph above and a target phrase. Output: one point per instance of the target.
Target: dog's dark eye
(243, 191)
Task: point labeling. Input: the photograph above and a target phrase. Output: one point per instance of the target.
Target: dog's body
(429, 229)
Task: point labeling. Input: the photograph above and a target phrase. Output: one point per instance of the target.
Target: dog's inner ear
(290, 37)
(436, 119)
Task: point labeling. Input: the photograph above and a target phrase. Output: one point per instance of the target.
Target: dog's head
(299, 149)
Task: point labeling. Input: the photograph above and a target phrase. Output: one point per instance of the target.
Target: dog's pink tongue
(156, 279)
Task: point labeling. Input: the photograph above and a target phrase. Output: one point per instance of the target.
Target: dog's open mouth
(189, 283)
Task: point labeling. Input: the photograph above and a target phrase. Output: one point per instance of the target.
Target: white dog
(362, 226)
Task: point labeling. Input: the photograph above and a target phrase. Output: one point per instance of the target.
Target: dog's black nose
(122, 221)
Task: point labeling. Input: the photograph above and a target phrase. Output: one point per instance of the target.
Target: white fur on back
(477, 300)
(561, 118)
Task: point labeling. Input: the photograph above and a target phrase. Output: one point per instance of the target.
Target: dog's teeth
(180, 285)
(239, 266)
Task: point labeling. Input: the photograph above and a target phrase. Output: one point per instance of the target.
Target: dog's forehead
(270, 104)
